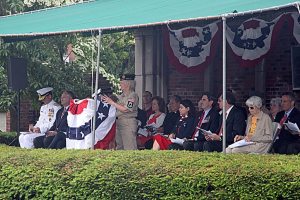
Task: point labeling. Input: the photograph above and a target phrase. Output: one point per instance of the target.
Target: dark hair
(290, 95)
(149, 93)
(209, 96)
(230, 98)
(160, 102)
(70, 93)
(177, 98)
(189, 104)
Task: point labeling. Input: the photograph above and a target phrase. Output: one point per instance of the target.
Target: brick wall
(279, 71)
(27, 113)
(188, 86)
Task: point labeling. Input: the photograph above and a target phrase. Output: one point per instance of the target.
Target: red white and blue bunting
(190, 49)
(253, 39)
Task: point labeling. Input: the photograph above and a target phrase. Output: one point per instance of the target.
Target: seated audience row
(181, 128)
(255, 135)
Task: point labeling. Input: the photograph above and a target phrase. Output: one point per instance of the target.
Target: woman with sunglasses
(259, 131)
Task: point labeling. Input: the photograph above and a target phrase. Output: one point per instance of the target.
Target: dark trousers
(294, 148)
(175, 146)
(47, 141)
(149, 144)
(51, 142)
(38, 142)
(58, 141)
(280, 146)
(193, 145)
(212, 146)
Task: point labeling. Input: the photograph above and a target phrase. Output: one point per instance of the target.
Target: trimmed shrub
(87, 174)
(8, 138)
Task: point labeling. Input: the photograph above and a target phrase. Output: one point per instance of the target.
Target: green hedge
(8, 138)
(86, 174)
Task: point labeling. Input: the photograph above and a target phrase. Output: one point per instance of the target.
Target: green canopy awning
(124, 14)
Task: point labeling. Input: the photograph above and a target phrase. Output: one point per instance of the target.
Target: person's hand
(207, 137)
(51, 133)
(238, 138)
(247, 139)
(172, 136)
(107, 99)
(214, 136)
(36, 130)
(30, 128)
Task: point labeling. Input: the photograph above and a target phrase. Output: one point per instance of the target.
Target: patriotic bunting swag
(190, 49)
(79, 119)
(252, 40)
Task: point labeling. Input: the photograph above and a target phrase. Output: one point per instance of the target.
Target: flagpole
(96, 90)
(224, 85)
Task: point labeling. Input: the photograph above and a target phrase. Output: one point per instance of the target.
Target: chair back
(276, 131)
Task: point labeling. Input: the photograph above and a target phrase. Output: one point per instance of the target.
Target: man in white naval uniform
(46, 119)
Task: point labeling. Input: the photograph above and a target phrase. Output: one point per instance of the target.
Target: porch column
(149, 62)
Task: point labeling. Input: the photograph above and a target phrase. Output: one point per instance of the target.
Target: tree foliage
(46, 66)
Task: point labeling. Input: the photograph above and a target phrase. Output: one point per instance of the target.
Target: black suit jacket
(60, 124)
(184, 127)
(294, 117)
(235, 124)
(170, 121)
(211, 122)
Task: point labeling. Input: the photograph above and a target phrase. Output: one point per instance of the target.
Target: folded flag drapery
(253, 39)
(191, 49)
(80, 120)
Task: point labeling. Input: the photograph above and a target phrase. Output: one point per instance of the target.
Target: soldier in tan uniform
(127, 108)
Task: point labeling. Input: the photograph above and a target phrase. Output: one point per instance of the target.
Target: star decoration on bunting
(101, 115)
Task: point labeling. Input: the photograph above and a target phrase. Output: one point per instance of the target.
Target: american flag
(80, 118)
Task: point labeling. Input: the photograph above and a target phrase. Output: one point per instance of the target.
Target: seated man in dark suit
(55, 138)
(172, 116)
(287, 140)
(235, 125)
(171, 119)
(208, 119)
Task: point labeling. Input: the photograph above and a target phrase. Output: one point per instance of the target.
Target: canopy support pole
(92, 86)
(224, 85)
(96, 90)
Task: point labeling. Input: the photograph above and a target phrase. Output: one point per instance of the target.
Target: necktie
(62, 114)
(198, 125)
(283, 119)
(221, 129)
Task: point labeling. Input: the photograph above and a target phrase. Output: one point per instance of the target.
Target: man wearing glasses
(287, 139)
(235, 125)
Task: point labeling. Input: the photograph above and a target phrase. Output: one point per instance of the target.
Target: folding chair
(276, 131)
